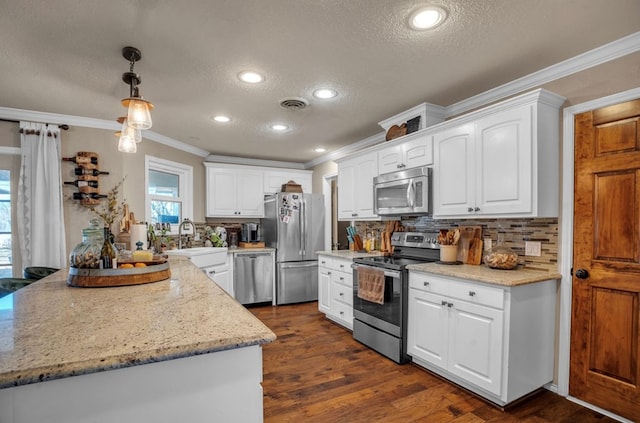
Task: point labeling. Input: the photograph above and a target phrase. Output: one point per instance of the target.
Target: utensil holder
(448, 253)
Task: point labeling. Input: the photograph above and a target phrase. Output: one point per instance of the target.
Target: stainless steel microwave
(404, 192)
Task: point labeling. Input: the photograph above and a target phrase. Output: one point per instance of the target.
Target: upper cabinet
(355, 186)
(416, 150)
(502, 161)
(234, 191)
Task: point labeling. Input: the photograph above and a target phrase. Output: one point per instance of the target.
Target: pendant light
(138, 116)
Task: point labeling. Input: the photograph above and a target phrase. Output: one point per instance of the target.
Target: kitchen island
(175, 350)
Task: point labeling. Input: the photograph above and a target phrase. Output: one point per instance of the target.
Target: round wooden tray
(99, 278)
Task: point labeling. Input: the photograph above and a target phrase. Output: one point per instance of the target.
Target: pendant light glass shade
(136, 134)
(138, 116)
(127, 144)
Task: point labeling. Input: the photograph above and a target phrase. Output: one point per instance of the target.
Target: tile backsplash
(512, 232)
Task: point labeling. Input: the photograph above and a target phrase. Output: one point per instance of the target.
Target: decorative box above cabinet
(415, 150)
(501, 161)
(274, 179)
(234, 191)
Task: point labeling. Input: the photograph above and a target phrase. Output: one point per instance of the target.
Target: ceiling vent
(294, 103)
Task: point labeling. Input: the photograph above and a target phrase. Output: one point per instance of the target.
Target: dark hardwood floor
(316, 372)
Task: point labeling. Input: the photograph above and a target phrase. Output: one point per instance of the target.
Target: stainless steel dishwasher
(253, 277)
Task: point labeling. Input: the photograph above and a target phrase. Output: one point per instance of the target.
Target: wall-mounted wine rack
(87, 174)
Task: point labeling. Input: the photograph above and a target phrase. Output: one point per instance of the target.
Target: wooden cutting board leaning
(470, 245)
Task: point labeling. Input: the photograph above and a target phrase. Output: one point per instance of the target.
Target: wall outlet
(487, 243)
(532, 248)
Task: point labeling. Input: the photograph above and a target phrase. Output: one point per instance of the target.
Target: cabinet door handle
(323, 262)
(341, 278)
(425, 283)
(449, 305)
(476, 209)
(328, 273)
(342, 294)
(470, 209)
(444, 303)
(472, 293)
(342, 313)
(354, 214)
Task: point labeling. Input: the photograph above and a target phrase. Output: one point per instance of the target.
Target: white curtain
(40, 209)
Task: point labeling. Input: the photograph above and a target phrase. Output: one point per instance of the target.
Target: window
(169, 193)
(6, 261)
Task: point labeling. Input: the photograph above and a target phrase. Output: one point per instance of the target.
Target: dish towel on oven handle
(371, 284)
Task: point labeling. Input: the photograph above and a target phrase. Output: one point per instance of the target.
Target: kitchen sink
(202, 256)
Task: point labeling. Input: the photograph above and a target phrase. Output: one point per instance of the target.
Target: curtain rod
(63, 126)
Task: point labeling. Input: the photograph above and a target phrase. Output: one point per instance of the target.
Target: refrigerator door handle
(298, 264)
(303, 224)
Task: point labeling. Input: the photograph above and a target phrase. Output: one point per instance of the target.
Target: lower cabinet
(222, 274)
(335, 289)
(493, 340)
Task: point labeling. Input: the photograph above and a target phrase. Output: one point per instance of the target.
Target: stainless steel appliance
(383, 327)
(253, 277)
(404, 192)
(294, 226)
(251, 232)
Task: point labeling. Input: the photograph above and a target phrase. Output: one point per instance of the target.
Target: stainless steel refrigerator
(294, 226)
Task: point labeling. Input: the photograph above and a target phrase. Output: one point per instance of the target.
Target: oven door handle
(389, 273)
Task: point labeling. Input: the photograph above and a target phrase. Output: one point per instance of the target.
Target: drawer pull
(449, 305)
(342, 294)
(328, 273)
(472, 293)
(323, 262)
(425, 283)
(342, 313)
(341, 278)
(444, 303)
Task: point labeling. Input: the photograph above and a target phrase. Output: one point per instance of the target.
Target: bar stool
(38, 272)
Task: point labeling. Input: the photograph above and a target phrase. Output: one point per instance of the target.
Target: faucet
(185, 222)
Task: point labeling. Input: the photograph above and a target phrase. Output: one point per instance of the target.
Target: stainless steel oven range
(381, 291)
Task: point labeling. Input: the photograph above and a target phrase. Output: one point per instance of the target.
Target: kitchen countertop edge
(482, 273)
(349, 254)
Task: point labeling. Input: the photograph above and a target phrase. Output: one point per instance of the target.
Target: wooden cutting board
(470, 245)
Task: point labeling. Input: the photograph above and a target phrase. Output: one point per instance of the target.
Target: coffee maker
(251, 232)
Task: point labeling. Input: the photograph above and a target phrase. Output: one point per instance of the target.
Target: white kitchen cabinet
(501, 161)
(324, 284)
(493, 340)
(274, 179)
(416, 150)
(335, 289)
(221, 274)
(234, 191)
(355, 187)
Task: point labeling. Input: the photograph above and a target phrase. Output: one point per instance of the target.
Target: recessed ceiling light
(325, 93)
(222, 119)
(250, 77)
(279, 127)
(427, 18)
(320, 150)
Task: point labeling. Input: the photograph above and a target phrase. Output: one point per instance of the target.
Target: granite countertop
(349, 254)
(482, 273)
(49, 330)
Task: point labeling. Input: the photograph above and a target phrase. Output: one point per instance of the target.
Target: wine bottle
(81, 160)
(80, 184)
(83, 196)
(94, 172)
(108, 254)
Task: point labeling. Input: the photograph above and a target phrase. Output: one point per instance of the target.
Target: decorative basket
(291, 186)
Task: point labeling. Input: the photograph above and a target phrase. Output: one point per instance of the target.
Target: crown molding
(347, 149)
(213, 158)
(603, 54)
(17, 115)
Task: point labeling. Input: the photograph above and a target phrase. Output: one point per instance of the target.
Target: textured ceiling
(65, 57)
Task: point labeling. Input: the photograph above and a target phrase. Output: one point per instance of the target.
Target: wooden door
(605, 333)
